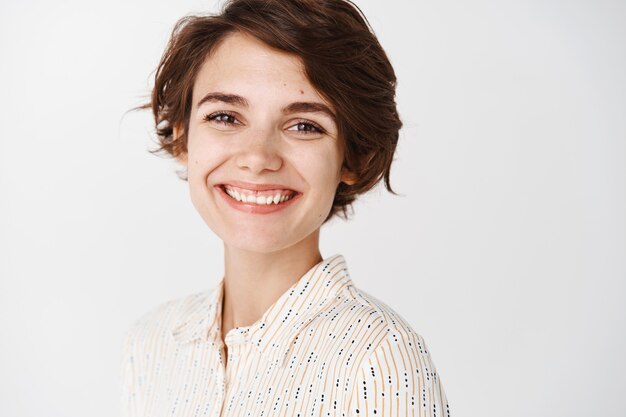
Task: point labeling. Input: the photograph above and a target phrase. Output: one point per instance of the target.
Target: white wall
(510, 239)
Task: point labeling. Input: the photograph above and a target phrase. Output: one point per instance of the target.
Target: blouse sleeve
(130, 382)
(399, 379)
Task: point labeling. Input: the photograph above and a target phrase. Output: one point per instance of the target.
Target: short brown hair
(342, 59)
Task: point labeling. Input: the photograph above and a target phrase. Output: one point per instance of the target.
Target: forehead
(242, 64)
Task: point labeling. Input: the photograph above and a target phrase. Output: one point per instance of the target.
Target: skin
(264, 254)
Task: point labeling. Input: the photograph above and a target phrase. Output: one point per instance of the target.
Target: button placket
(222, 378)
(233, 341)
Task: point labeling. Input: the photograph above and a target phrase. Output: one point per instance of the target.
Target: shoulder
(398, 345)
(401, 340)
(160, 321)
(363, 324)
(398, 365)
(379, 315)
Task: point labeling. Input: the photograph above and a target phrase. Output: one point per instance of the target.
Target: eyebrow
(223, 97)
(296, 107)
(308, 107)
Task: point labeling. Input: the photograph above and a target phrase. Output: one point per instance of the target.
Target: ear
(182, 158)
(348, 177)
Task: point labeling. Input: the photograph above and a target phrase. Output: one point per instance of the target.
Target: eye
(221, 117)
(307, 128)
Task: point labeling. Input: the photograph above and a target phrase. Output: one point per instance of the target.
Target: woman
(282, 113)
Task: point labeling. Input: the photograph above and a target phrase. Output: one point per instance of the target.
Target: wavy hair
(342, 59)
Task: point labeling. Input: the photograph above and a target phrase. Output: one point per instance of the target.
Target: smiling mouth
(260, 198)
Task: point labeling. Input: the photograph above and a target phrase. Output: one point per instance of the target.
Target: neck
(253, 281)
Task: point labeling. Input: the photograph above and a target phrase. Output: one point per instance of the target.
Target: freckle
(301, 92)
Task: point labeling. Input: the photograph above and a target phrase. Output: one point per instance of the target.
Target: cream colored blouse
(324, 348)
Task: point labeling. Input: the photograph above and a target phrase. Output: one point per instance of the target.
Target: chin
(257, 248)
(255, 244)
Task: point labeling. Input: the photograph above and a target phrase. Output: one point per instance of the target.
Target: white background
(508, 244)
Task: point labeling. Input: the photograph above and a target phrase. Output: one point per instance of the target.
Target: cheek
(204, 157)
(322, 172)
(203, 162)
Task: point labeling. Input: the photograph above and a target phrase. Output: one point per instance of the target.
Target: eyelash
(213, 116)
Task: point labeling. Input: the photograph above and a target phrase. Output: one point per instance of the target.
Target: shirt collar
(274, 333)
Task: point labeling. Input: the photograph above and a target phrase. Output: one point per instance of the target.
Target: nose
(259, 152)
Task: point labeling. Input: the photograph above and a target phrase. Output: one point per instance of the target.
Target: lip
(258, 187)
(256, 208)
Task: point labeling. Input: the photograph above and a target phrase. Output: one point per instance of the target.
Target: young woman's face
(259, 129)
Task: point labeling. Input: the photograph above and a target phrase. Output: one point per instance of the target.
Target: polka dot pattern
(324, 348)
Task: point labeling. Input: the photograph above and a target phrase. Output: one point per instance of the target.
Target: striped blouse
(324, 348)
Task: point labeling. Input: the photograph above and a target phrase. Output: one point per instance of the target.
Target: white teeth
(261, 200)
